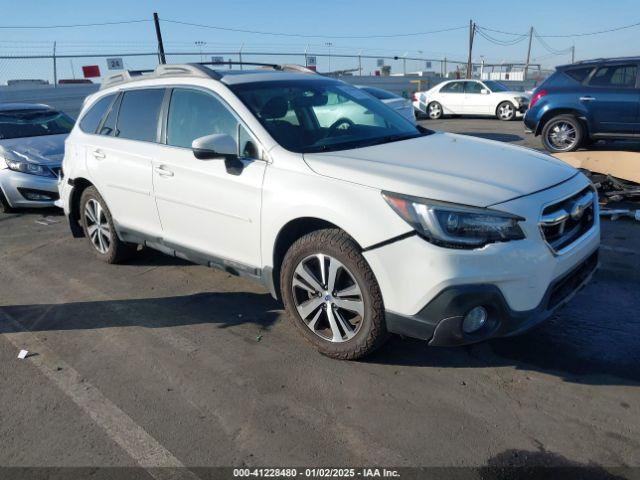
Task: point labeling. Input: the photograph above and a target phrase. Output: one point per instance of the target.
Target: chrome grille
(564, 222)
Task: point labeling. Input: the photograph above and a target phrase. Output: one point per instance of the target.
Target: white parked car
(471, 97)
(31, 148)
(360, 229)
(402, 105)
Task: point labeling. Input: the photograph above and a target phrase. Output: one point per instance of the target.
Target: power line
(569, 35)
(37, 27)
(300, 35)
(548, 47)
(497, 41)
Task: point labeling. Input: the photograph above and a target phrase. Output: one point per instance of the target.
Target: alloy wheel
(97, 225)
(562, 135)
(435, 110)
(328, 298)
(506, 111)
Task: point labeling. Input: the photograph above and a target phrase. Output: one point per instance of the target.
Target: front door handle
(99, 154)
(163, 171)
(587, 99)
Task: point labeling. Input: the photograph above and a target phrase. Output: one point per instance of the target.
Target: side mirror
(484, 91)
(215, 146)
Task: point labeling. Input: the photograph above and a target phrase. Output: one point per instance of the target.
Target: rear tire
(332, 295)
(98, 227)
(434, 111)
(563, 133)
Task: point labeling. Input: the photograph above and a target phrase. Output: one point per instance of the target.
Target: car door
(208, 207)
(451, 97)
(120, 158)
(476, 102)
(612, 99)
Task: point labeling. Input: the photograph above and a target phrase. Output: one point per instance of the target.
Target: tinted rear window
(579, 74)
(91, 119)
(138, 115)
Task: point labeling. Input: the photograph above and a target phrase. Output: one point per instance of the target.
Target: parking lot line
(131, 437)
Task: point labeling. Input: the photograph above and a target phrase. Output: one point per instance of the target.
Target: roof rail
(200, 70)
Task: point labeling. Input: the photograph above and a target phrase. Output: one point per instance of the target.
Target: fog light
(474, 320)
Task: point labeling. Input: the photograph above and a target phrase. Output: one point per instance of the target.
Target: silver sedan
(31, 149)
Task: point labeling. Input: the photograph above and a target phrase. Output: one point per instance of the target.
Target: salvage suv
(362, 226)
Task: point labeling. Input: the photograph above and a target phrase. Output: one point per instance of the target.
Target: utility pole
(526, 65)
(329, 44)
(55, 67)
(573, 54)
(161, 57)
(360, 63)
(472, 32)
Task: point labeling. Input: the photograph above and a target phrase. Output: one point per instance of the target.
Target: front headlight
(455, 226)
(24, 166)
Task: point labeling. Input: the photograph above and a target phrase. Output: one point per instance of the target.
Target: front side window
(139, 114)
(329, 115)
(91, 119)
(33, 123)
(453, 87)
(194, 114)
(618, 76)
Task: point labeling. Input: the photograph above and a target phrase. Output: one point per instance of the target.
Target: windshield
(33, 123)
(380, 94)
(307, 116)
(496, 86)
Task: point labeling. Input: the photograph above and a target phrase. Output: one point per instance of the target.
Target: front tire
(332, 295)
(98, 227)
(506, 111)
(563, 133)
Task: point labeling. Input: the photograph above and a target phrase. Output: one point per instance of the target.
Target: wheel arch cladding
(80, 184)
(581, 116)
(288, 234)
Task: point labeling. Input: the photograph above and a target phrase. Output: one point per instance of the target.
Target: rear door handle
(99, 155)
(163, 171)
(587, 99)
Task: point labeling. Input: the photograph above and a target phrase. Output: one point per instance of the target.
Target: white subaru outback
(360, 221)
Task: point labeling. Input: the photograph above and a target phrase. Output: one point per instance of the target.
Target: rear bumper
(440, 321)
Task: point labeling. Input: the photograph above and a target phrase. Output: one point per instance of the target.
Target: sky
(322, 18)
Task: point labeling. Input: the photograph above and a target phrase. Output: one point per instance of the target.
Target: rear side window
(194, 114)
(473, 87)
(579, 74)
(617, 76)
(454, 87)
(91, 119)
(139, 113)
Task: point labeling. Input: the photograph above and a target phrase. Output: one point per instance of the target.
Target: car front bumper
(427, 289)
(23, 190)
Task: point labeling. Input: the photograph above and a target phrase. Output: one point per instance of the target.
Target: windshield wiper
(393, 138)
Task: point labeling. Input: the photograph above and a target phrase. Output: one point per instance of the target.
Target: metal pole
(240, 57)
(161, 56)
(526, 65)
(573, 54)
(55, 67)
(472, 31)
(360, 62)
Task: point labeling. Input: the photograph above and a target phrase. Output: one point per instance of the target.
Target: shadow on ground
(530, 465)
(220, 309)
(497, 136)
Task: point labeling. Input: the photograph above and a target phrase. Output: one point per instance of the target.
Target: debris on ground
(46, 221)
(258, 338)
(616, 213)
(23, 354)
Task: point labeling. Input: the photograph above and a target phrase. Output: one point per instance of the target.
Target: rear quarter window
(91, 119)
(579, 74)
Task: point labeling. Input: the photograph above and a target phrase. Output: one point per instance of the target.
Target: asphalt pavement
(163, 363)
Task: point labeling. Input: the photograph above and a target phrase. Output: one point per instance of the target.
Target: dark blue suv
(587, 101)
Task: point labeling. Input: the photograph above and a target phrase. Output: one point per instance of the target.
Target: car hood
(446, 167)
(45, 149)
